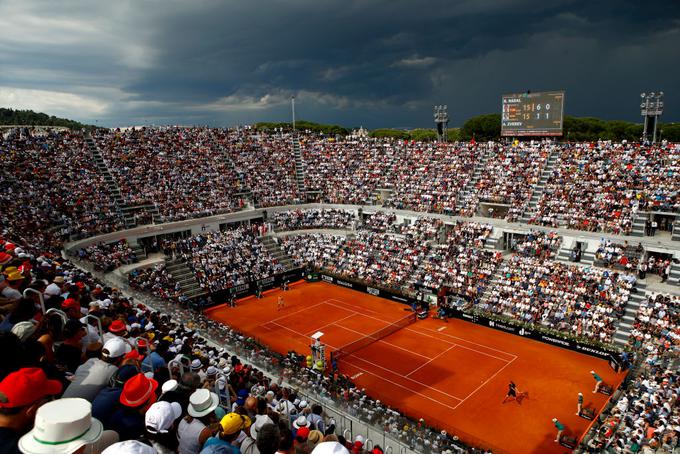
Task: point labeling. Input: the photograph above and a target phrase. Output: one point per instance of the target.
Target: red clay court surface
(454, 375)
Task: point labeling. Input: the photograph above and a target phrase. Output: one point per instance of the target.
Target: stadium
(206, 282)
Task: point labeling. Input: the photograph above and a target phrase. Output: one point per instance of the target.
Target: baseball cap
(303, 433)
(115, 348)
(130, 447)
(161, 415)
(233, 422)
(26, 386)
(135, 355)
(70, 303)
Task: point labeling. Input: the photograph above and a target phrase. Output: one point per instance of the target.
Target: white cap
(161, 415)
(115, 348)
(360, 439)
(260, 420)
(130, 447)
(169, 385)
(196, 364)
(330, 447)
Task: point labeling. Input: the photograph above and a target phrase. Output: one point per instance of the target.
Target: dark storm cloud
(371, 63)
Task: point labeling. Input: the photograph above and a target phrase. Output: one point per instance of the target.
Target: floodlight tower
(441, 120)
(651, 108)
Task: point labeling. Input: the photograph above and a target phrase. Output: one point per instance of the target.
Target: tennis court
(454, 375)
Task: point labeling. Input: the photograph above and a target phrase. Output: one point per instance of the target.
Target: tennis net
(352, 347)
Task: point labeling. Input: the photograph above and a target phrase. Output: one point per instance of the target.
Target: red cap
(80, 285)
(139, 390)
(142, 343)
(117, 326)
(70, 303)
(5, 258)
(302, 432)
(134, 354)
(26, 386)
(10, 246)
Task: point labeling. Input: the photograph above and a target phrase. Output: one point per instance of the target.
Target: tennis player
(280, 304)
(512, 392)
(598, 381)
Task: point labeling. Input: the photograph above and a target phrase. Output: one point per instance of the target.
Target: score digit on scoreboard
(532, 114)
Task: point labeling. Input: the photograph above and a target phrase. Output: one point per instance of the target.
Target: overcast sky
(353, 62)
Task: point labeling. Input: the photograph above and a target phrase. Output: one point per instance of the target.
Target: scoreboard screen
(532, 114)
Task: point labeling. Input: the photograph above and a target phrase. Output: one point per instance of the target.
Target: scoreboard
(532, 114)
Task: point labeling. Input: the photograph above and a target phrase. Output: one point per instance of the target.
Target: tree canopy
(28, 117)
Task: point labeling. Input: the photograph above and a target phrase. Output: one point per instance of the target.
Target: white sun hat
(62, 427)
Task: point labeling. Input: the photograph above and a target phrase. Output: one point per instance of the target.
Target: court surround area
(454, 375)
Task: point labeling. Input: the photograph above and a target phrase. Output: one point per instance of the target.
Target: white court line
(297, 312)
(470, 342)
(332, 323)
(296, 332)
(375, 365)
(385, 342)
(406, 378)
(439, 339)
(345, 303)
(425, 364)
(411, 391)
(459, 345)
(485, 382)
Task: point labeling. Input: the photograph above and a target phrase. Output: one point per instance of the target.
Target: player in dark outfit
(512, 392)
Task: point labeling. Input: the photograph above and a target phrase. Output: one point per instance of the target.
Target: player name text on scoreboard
(532, 114)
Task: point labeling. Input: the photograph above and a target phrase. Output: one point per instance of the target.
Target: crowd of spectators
(222, 260)
(583, 301)
(315, 218)
(158, 281)
(107, 257)
(266, 166)
(657, 324)
(600, 187)
(402, 262)
(149, 381)
(610, 253)
(538, 244)
(468, 233)
(52, 189)
(380, 221)
(509, 175)
(181, 170)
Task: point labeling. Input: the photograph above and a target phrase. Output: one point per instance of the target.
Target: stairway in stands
(111, 184)
(466, 194)
(277, 252)
(639, 225)
(127, 211)
(530, 211)
(676, 231)
(674, 275)
(625, 325)
(299, 169)
(243, 191)
(181, 273)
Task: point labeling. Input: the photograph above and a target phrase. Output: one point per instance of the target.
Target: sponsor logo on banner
(525, 332)
(468, 316)
(502, 326)
(592, 350)
(556, 341)
(241, 288)
(372, 291)
(266, 281)
(343, 283)
(398, 298)
(327, 278)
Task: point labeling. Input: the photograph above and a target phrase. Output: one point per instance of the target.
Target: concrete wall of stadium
(212, 223)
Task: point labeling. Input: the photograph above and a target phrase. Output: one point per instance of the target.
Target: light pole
(441, 120)
(651, 107)
(292, 106)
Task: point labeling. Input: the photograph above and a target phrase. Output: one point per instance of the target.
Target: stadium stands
(53, 192)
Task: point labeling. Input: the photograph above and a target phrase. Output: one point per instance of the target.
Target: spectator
(21, 394)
